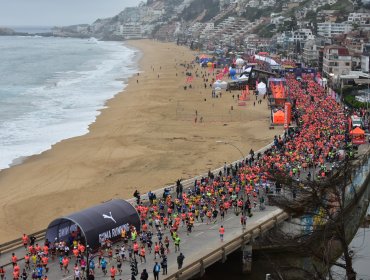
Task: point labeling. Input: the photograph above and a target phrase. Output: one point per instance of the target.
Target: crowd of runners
(319, 134)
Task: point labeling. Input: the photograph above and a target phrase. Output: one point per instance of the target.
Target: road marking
(213, 226)
(199, 233)
(229, 218)
(69, 277)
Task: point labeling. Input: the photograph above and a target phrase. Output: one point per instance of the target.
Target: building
(302, 35)
(365, 59)
(359, 18)
(130, 30)
(330, 29)
(336, 61)
(310, 52)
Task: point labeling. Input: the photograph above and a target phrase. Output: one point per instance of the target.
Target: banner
(287, 115)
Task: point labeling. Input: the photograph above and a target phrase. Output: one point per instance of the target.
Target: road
(204, 239)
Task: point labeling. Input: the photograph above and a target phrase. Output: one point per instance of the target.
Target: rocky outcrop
(6, 31)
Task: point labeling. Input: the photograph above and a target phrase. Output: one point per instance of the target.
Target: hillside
(165, 18)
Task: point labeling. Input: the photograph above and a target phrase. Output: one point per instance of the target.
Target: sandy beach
(144, 139)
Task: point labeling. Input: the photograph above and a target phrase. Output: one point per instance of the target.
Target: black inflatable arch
(95, 224)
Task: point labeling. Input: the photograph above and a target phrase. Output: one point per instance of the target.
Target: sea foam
(62, 103)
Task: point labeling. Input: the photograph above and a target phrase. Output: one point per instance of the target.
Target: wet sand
(145, 138)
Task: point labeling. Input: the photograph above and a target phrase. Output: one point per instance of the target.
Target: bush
(351, 101)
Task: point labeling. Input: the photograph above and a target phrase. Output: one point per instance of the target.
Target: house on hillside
(336, 61)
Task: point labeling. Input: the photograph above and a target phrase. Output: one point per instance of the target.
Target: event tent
(358, 136)
(220, 84)
(261, 87)
(96, 224)
(278, 117)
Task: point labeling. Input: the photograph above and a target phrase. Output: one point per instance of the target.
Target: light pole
(87, 261)
(243, 157)
(231, 144)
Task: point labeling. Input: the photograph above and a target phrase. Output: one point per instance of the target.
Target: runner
(65, 262)
(113, 272)
(142, 254)
(222, 232)
(103, 264)
(25, 240)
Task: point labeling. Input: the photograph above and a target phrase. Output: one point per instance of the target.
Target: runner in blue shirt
(103, 264)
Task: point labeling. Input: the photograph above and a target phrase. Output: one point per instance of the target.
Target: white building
(336, 61)
(302, 35)
(130, 30)
(310, 52)
(330, 29)
(253, 4)
(360, 18)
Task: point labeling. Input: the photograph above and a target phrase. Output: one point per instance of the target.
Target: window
(347, 64)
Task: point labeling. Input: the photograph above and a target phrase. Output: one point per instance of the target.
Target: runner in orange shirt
(222, 232)
(14, 259)
(45, 261)
(113, 272)
(65, 263)
(142, 254)
(25, 240)
(27, 261)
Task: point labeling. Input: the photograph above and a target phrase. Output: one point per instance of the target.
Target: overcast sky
(58, 12)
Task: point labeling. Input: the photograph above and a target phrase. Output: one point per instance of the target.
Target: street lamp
(243, 208)
(231, 144)
(87, 261)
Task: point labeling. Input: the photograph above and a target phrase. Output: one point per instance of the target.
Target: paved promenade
(204, 239)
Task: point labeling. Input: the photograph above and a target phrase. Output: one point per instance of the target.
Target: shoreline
(142, 139)
(135, 60)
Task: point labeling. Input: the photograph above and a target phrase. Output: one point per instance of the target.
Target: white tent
(223, 85)
(261, 87)
(239, 62)
(219, 84)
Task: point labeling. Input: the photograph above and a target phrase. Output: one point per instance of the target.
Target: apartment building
(336, 61)
(360, 18)
(310, 52)
(330, 29)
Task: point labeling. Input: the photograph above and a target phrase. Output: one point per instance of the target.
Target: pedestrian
(144, 275)
(222, 232)
(25, 240)
(113, 272)
(142, 254)
(91, 275)
(14, 259)
(2, 273)
(24, 274)
(65, 263)
(164, 265)
(103, 264)
(156, 270)
(177, 243)
(180, 260)
(77, 273)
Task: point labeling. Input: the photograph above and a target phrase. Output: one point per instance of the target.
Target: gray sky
(59, 12)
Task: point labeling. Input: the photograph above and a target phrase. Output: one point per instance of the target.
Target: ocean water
(52, 88)
(31, 29)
